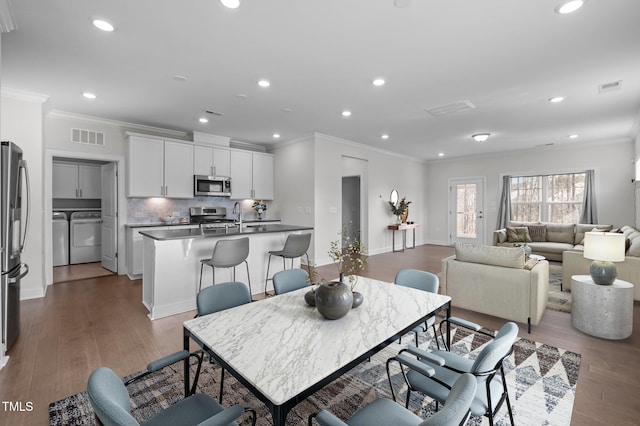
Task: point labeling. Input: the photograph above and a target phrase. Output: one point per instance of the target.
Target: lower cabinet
(135, 247)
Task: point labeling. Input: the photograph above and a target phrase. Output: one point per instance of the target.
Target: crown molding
(7, 19)
(23, 95)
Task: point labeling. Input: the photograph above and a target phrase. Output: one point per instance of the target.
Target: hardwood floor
(81, 271)
(81, 325)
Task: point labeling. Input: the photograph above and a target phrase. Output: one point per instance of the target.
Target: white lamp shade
(607, 246)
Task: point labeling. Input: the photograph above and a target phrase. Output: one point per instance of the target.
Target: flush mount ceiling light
(231, 4)
(569, 6)
(89, 95)
(556, 99)
(346, 113)
(103, 25)
(378, 82)
(481, 137)
(264, 83)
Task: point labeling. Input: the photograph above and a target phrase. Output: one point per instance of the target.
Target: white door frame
(481, 223)
(109, 226)
(48, 204)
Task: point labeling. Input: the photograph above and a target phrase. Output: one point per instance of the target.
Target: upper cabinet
(159, 168)
(251, 175)
(210, 161)
(73, 180)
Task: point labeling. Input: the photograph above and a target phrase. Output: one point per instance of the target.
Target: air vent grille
(451, 108)
(88, 137)
(610, 87)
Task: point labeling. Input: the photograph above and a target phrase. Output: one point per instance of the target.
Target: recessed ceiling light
(287, 110)
(231, 4)
(569, 6)
(180, 78)
(241, 96)
(402, 3)
(378, 82)
(481, 137)
(276, 135)
(441, 154)
(264, 83)
(346, 113)
(89, 95)
(203, 120)
(573, 136)
(556, 99)
(103, 25)
(384, 136)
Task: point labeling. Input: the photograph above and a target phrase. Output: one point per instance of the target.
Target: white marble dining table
(283, 350)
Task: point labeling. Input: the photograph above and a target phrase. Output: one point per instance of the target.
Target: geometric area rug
(541, 381)
(558, 300)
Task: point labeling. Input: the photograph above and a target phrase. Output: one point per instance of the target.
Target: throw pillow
(518, 234)
(530, 263)
(538, 233)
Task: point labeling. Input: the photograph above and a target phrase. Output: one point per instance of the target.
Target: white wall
(385, 172)
(22, 123)
(611, 161)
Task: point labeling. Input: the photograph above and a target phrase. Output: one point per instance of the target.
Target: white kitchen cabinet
(73, 180)
(159, 168)
(135, 247)
(251, 175)
(210, 161)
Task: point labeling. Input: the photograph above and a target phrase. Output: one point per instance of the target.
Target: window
(547, 198)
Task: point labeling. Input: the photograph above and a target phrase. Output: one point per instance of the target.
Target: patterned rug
(558, 300)
(541, 379)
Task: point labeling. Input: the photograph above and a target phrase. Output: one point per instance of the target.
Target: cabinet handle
(76, 192)
(80, 193)
(213, 170)
(166, 190)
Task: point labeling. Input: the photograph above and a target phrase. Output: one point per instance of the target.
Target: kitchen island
(171, 270)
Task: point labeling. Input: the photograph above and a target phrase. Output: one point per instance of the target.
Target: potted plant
(260, 207)
(400, 209)
(349, 255)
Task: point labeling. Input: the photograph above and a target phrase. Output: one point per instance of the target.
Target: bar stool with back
(228, 254)
(295, 246)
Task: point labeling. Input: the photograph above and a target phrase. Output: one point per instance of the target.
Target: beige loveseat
(574, 263)
(496, 281)
(546, 239)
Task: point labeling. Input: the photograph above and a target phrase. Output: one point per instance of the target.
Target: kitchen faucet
(238, 206)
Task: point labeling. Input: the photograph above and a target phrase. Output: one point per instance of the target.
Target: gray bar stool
(296, 245)
(228, 254)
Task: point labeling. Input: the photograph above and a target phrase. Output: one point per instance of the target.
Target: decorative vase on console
(400, 209)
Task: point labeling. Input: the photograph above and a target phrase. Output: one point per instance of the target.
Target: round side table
(604, 311)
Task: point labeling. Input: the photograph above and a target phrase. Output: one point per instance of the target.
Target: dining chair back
(290, 280)
(425, 281)
(222, 296)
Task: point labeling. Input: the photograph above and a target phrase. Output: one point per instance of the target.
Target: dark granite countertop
(156, 224)
(251, 228)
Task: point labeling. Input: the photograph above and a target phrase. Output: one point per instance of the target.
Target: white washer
(85, 240)
(60, 231)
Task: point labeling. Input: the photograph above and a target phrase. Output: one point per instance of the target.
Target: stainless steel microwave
(211, 186)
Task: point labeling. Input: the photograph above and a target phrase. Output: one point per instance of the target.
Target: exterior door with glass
(466, 211)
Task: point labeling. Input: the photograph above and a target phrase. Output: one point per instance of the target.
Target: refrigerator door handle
(13, 280)
(23, 165)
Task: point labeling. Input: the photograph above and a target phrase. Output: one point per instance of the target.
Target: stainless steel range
(211, 217)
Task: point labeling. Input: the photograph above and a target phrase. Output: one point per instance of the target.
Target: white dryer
(85, 239)
(60, 231)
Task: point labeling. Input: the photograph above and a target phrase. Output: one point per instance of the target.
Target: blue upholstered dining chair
(425, 281)
(218, 298)
(434, 373)
(110, 401)
(384, 412)
(290, 280)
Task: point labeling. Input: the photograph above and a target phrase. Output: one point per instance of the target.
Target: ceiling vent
(610, 87)
(88, 137)
(451, 108)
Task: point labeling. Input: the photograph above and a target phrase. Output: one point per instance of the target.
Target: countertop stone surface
(249, 229)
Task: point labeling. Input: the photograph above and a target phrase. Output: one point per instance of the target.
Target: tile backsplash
(146, 210)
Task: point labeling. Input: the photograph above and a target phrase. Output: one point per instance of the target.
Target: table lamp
(604, 248)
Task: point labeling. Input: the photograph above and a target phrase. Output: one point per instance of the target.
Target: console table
(403, 227)
(604, 311)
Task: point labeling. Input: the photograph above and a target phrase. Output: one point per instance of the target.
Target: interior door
(109, 229)
(466, 211)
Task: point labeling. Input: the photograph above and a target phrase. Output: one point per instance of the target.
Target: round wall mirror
(394, 197)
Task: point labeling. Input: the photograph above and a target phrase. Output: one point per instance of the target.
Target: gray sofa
(574, 263)
(550, 240)
(496, 281)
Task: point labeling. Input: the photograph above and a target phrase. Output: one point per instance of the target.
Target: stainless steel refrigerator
(13, 233)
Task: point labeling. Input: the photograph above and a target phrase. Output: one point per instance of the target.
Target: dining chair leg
(221, 384)
(266, 280)
(248, 278)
